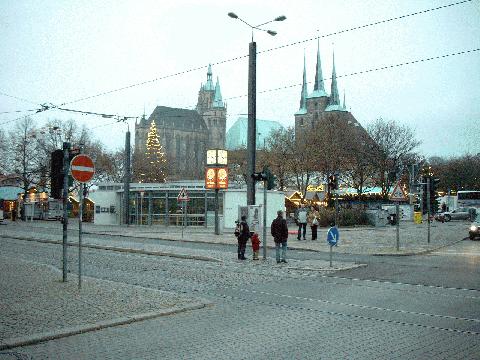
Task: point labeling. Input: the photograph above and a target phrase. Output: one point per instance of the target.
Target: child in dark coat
(255, 246)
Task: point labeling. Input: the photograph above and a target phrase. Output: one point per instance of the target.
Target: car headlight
(473, 228)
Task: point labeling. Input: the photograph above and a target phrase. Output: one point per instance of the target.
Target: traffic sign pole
(66, 150)
(80, 219)
(331, 252)
(397, 210)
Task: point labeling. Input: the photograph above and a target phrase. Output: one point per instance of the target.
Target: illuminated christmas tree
(154, 164)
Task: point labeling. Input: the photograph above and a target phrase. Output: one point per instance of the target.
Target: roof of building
(182, 119)
(319, 86)
(302, 110)
(217, 100)
(209, 84)
(10, 192)
(237, 134)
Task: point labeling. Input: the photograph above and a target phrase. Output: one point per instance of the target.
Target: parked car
(474, 230)
(459, 214)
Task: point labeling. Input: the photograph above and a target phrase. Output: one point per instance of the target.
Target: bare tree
(4, 153)
(397, 146)
(24, 154)
(457, 173)
(279, 155)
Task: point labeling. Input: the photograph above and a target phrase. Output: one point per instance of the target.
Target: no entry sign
(82, 168)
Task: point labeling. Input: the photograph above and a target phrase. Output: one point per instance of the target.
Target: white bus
(468, 199)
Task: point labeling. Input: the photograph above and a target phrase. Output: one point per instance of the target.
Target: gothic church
(318, 106)
(185, 135)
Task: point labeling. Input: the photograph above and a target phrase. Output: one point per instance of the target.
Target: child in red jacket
(255, 246)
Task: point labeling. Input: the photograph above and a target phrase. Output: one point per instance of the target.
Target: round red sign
(82, 168)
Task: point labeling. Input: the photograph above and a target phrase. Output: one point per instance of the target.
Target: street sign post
(333, 235)
(183, 197)
(82, 169)
(398, 195)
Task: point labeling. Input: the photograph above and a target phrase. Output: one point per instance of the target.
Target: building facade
(184, 134)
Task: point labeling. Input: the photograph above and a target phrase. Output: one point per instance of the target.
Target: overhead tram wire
(19, 98)
(367, 71)
(386, 67)
(360, 27)
(197, 68)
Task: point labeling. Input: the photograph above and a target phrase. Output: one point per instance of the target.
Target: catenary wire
(197, 68)
(386, 67)
(367, 71)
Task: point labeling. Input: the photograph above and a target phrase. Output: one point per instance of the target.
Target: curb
(120, 249)
(356, 266)
(422, 252)
(38, 338)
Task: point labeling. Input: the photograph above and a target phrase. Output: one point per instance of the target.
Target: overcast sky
(62, 51)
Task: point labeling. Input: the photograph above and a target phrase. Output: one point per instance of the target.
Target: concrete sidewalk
(37, 306)
(355, 240)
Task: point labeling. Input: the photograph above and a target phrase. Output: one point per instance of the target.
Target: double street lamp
(252, 103)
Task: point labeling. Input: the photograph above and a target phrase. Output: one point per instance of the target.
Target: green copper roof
(319, 86)
(237, 134)
(209, 84)
(303, 97)
(334, 97)
(217, 100)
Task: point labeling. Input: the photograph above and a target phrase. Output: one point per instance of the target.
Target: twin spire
(319, 88)
(208, 86)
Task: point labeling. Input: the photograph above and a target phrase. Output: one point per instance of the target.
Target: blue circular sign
(333, 236)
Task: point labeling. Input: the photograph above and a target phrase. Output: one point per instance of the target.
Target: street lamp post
(252, 103)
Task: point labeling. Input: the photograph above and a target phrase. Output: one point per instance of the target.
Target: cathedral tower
(213, 110)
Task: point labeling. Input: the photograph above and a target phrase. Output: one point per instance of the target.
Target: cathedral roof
(318, 87)
(209, 84)
(181, 119)
(143, 121)
(303, 96)
(217, 100)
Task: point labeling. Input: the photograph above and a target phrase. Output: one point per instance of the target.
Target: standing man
(243, 238)
(279, 231)
(302, 222)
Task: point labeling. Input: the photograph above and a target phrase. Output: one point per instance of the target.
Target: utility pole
(265, 219)
(126, 179)
(81, 194)
(252, 121)
(66, 166)
(428, 210)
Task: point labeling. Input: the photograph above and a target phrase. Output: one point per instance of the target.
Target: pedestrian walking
(243, 238)
(301, 218)
(279, 232)
(255, 246)
(313, 221)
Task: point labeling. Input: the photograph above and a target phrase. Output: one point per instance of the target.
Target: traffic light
(260, 176)
(333, 182)
(56, 174)
(270, 178)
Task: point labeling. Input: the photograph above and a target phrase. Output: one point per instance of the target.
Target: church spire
(217, 100)
(319, 86)
(334, 97)
(303, 96)
(209, 84)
